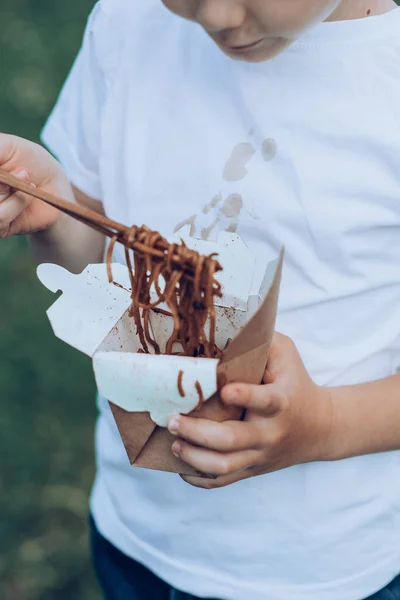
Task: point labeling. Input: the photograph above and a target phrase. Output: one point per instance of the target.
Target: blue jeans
(121, 578)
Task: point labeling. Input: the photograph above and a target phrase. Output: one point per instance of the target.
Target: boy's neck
(358, 9)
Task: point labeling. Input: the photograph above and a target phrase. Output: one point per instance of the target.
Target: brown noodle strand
(160, 311)
(182, 280)
(147, 332)
(109, 256)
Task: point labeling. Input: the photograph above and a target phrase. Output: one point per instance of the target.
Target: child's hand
(30, 162)
(288, 421)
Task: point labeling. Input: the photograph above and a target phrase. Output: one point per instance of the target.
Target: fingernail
(173, 425)
(23, 175)
(176, 449)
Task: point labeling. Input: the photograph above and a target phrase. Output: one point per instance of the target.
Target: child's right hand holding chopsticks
(58, 238)
(19, 213)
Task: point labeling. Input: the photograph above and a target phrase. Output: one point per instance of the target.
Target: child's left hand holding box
(288, 420)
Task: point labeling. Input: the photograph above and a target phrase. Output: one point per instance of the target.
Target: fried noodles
(179, 278)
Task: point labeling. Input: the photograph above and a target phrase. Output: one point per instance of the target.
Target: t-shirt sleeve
(73, 130)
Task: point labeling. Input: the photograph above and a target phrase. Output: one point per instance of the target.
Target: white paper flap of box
(162, 385)
(89, 306)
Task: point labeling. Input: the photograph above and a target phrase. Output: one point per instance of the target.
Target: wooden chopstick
(85, 215)
(96, 221)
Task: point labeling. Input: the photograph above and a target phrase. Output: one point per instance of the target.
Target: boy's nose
(218, 15)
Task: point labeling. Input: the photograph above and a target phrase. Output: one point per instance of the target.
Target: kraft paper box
(92, 316)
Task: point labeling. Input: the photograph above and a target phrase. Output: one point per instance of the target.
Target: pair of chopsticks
(91, 218)
(101, 223)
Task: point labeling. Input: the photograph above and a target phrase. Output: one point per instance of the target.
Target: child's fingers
(214, 463)
(214, 483)
(224, 437)
(12, 203)
(262, 398)
(11, 208)
(6, 191)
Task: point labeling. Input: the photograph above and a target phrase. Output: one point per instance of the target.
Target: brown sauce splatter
(180, 386)
(235, 168)
(201, 395)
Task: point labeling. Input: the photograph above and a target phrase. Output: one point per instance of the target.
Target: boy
(290, 136)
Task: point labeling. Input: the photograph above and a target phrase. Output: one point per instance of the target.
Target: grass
(46, 389)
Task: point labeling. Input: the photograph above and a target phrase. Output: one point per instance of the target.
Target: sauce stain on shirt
(235, 168)
(191, 221)
(214, 202)
(232, 206)
(227, 212)
(269, 149)
(231, 209)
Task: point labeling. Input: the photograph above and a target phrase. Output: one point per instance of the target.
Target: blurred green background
(46, 390)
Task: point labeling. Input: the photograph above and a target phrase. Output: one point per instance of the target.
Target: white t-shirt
(304, 151)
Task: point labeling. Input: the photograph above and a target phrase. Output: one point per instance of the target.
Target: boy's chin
(265, 52)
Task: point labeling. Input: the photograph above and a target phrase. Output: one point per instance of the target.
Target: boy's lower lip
(244, 48)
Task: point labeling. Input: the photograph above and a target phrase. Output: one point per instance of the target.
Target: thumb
(261, 398)
(282, 353)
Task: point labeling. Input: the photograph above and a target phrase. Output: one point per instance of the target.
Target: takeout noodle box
(92, 316)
